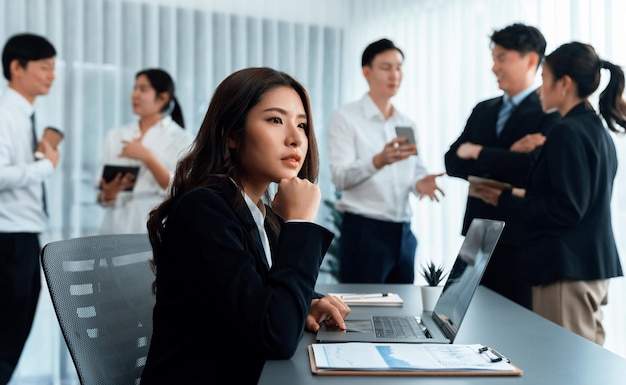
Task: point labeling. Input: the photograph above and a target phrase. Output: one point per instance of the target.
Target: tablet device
(477, 180)
(110, 171)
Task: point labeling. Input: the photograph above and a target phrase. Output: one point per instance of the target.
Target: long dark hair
(210, 158)
(162, 82)
(582, 64)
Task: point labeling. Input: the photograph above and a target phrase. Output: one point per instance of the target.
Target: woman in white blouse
(154, 143)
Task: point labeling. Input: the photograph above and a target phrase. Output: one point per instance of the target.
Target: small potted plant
(433, 275)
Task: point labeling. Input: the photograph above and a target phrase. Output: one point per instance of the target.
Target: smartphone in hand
(406, 132)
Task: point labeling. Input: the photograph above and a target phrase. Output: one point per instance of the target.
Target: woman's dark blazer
(567, 209)
(220, 311)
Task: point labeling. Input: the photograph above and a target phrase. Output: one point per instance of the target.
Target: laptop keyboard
(399, 327)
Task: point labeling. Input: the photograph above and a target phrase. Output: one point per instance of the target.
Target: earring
(563, 93)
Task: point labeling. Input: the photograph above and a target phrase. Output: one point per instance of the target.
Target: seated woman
(235, 268)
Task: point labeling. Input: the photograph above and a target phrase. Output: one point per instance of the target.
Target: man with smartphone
(375, 165)
(28, 65)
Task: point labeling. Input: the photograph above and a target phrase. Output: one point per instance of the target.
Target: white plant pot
(430, 295)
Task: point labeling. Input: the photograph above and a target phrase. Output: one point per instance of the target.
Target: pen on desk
(363, 296)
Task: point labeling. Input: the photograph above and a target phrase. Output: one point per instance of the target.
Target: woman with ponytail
(570, 251)
(154, 143)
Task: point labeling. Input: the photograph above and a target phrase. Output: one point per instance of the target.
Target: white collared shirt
(259, 219)
(21, 176)
(356, 133)
(168, 142)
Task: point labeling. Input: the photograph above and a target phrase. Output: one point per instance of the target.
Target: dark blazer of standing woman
(568, 203)
(569, 252)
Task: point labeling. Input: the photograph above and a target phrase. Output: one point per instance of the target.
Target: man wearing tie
(28, 65)
(501, 140)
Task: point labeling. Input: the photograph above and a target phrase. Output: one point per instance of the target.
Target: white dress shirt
(259, 219)
(356, 133)
(168, 142)
(21, 176)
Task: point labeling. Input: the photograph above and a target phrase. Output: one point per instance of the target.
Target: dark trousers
(373, 251)
(503, 275)
(20, 284)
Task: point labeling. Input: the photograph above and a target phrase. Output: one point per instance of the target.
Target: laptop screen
(480, 241)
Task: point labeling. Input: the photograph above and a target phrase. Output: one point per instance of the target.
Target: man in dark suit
(501, 140)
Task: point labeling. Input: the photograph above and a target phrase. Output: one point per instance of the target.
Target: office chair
(101, 292)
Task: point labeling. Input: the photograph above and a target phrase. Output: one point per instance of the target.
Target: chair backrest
(101, 292)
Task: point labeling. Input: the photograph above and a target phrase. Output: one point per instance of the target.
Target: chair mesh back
(101, 292)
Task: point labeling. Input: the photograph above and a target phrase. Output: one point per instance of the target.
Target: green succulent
(433, 274)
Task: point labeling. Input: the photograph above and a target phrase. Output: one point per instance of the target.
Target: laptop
(442, 324)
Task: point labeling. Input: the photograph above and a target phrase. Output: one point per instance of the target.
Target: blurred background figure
(377, 168)
(569, 252)
(500, 141)
(154, 144)
(28, 62)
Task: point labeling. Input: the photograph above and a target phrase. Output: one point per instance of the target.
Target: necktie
(43, 187)
(503, 115)
(32, 127)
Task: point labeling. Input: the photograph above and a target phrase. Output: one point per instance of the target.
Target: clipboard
(511, 370)
(110, 171)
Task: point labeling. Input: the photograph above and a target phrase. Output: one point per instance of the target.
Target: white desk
(547, 353)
